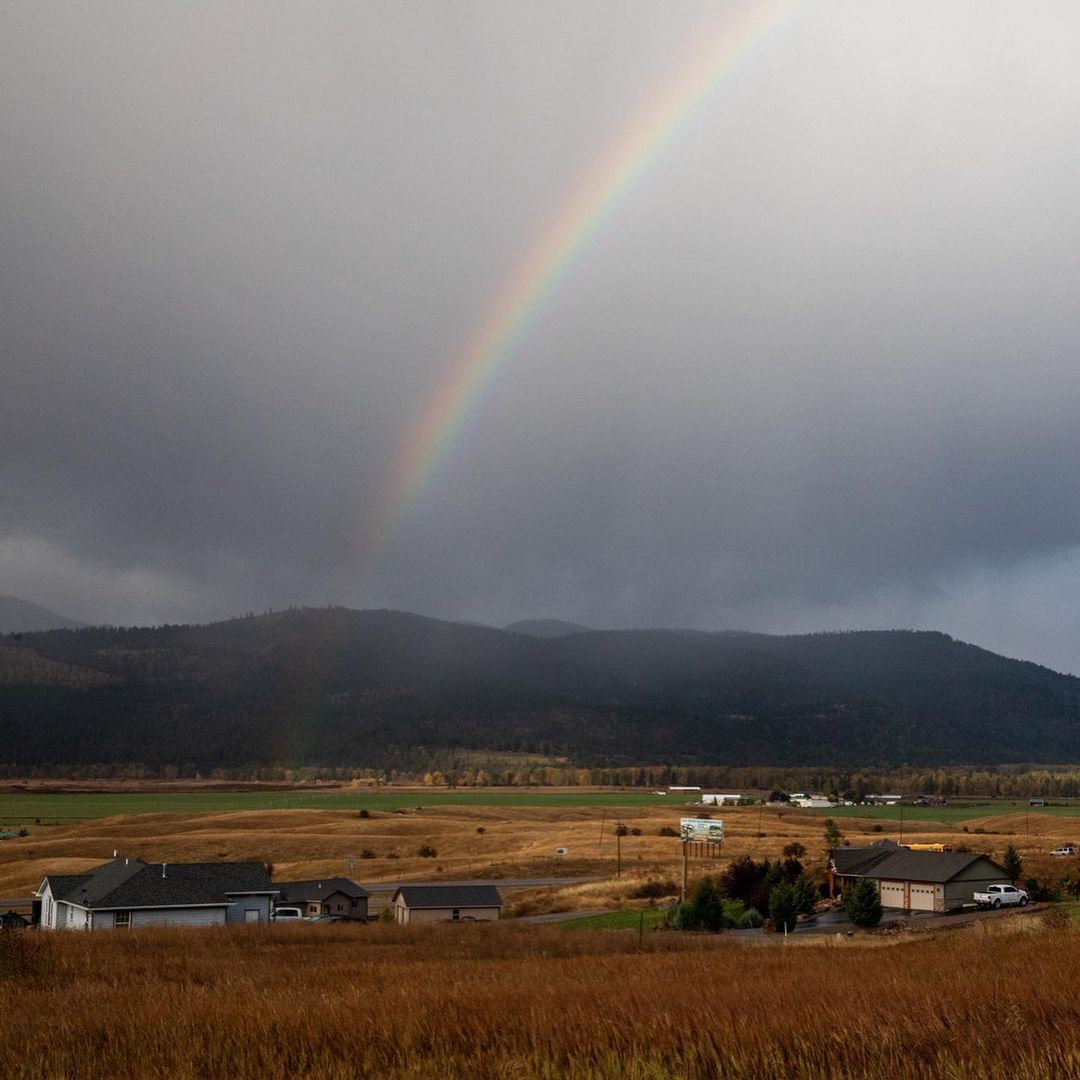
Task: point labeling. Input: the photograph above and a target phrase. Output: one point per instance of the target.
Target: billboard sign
(701, 830)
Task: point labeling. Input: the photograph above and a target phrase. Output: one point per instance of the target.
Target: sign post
(701, 836)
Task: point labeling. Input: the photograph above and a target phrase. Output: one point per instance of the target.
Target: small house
(720, 798)
(446, 903)
(336, 897)
(129, 893)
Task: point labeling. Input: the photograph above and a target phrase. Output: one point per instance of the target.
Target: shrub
(367, 853)
(881, 828)
(794, 850)
(635, 831)
(392, 855)
(667, 830)
(1038, 892)
(653, 889)
(862, 903)
(363, 813)
(481, 830)
(427, 852)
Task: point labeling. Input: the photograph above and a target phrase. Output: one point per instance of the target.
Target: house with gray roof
(446, 903)
(129, 893)
(336, 897)
(917, 880)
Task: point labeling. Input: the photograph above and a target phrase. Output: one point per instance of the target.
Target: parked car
(1066, 849)
(1001, 896)
(287, 914)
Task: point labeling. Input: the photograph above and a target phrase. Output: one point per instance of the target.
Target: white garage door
(922, 897)
(892, 894)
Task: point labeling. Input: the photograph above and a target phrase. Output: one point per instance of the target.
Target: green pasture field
(952, 814)
(616, 920)
(63, 809)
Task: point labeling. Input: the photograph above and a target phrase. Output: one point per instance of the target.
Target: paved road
(501, 883)
(836, 922)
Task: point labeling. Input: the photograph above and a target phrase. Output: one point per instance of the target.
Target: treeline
(1005, 781)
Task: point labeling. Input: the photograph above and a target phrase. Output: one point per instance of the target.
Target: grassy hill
(382, 688)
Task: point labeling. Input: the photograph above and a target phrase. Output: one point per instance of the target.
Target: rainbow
(516, 307)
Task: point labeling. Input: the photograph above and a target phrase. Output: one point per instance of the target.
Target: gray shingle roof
(132, 883)
(936, 866)
(899, 864)
(319, 888)
(857, 860)
(449, 896)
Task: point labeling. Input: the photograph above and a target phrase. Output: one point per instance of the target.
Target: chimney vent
(162, 869)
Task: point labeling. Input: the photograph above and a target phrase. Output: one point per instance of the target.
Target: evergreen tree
(862, 903)
(832, 835)
(1013, 866)
(807, 894)
(783, 907)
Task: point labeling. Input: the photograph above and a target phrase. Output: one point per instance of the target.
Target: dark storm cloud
(818, 368)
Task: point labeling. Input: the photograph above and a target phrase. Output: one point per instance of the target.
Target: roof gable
(320, 889)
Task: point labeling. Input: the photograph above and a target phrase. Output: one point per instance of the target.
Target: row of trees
(505, 771)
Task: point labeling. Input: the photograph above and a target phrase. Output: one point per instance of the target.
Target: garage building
(446, 903)
(917, 880)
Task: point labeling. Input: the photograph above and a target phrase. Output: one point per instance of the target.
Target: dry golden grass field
(491, 842)
(512, 1001)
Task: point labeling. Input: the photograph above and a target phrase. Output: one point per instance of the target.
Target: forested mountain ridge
(382, 689)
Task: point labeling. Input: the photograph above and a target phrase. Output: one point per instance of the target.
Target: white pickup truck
(1001, 896)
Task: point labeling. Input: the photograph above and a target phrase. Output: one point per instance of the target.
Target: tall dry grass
(338, 1002)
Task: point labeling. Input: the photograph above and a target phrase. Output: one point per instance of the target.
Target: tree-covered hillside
(384, 689)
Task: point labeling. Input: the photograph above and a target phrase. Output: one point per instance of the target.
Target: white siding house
(128, 894)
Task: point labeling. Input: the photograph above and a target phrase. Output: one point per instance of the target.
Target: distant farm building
(720, 798)
(883, 800)
(446, 903)
(915, 880)
(336, 897)
(811, 802)
(690, 794)
(128, 893)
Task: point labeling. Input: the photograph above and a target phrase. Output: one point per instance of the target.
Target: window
(457, 913)
(122, 920)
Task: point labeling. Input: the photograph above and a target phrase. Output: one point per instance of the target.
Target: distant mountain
(385, 689)
(545, 628)
(20, 616)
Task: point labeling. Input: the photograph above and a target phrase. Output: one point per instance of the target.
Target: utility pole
(901, 820)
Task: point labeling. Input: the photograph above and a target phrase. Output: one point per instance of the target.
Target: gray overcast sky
(816, 370)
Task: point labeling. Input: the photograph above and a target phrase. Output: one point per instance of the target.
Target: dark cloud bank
(817, 370)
